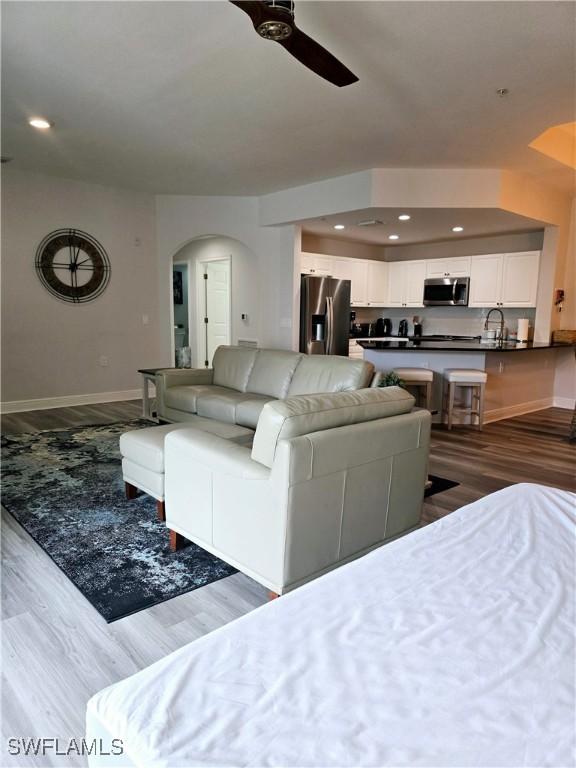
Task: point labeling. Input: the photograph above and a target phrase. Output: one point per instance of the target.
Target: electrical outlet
(145, 319)
(103, 361)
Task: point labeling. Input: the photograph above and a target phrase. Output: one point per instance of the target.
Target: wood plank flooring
(58, 651)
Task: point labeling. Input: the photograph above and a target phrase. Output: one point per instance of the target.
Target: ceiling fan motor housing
(277, 29)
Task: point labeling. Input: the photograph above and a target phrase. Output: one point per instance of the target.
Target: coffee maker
(403, 328)
(383, 327)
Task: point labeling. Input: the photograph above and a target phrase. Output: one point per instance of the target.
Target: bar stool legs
(467, 379)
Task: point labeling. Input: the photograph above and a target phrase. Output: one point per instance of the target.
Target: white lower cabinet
(504, 280)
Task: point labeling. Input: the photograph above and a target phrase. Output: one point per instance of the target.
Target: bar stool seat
(466, 375)
(465, 378)
(415, 374)
(420, 379)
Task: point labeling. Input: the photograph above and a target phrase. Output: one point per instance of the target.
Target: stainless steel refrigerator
(324, 315)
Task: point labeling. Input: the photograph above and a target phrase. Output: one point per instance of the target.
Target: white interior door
(216, 285)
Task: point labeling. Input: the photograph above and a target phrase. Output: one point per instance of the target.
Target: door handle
(330, 324)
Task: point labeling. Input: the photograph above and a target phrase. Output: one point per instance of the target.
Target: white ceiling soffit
(425, 225)
(183, 97)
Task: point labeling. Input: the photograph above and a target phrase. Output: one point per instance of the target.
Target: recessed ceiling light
(339, 226)
(393, 237)
(40, 122)
(404, 217)
(457, 229)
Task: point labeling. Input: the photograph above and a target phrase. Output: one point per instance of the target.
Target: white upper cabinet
(485, 280)
(315, 264)
(396, 283)
(356, 271)
(415, 276)
(456, 267)
(520, 279)
(504, 280)
(377, 284)
(406, 283)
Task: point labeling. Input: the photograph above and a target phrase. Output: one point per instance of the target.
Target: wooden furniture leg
(451, 392)
(481, 407)
(130, 490)
(272, 595)
(161, 510)
(428, 404)
(177, 541)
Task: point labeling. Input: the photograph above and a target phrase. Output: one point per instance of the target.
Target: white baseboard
(45, 403)
(497, 414)
(565, 402)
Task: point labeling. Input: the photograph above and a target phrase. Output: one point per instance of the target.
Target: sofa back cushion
(272, 372)
(232, 367)
(301, 415)
(329, 373)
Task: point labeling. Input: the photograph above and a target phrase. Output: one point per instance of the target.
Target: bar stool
(421, 379)
(465, 378)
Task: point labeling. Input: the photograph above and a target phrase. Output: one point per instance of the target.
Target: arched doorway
(219, 280)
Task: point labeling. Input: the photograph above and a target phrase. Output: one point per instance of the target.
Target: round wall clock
(72, 265)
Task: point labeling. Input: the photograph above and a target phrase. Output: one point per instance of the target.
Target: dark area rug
(65, 488)
(439, 484)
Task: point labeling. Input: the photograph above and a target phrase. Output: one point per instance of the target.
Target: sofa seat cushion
(220, 405)
(185, 397)
(233, 366)
(321, 373)
(272, 372)
(296, 416)
(248, 411)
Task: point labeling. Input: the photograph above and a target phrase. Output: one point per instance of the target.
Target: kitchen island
(520, 376)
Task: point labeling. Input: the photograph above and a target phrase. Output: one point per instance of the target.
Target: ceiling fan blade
(254, 8)
(318, 59)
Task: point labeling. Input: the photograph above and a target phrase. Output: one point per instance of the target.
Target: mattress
(452, 646)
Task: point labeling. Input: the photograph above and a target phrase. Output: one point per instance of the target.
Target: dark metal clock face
(72, 265)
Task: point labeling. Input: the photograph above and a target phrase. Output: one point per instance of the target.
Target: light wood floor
(58, 651)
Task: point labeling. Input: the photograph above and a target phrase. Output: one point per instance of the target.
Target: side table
(149, 403)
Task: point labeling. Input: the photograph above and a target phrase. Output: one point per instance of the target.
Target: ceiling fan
(274, 20)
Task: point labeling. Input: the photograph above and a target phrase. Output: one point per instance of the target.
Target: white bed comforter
(453, 646)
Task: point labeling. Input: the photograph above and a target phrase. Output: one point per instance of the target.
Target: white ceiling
(426, 225)
(183, 97)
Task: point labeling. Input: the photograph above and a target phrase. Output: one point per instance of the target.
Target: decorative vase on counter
(184, 357)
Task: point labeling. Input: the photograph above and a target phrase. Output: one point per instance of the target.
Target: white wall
(51, 348)
(333, 246)
(470, 246)
(268, 294)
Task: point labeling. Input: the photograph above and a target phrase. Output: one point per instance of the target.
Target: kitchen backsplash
(462, 321)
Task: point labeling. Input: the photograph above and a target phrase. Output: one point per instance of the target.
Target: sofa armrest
(184, 377)
(217, 454)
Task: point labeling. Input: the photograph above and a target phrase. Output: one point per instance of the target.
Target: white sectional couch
(328, 478)
(242, 380)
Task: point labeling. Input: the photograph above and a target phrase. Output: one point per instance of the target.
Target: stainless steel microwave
(446, 291)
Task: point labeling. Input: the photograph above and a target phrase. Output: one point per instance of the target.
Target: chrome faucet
(500, 335)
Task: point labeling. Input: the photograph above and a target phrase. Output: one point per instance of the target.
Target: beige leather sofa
(328, 478)
(242, 380)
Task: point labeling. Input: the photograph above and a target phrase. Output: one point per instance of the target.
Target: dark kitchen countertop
(412, 344)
